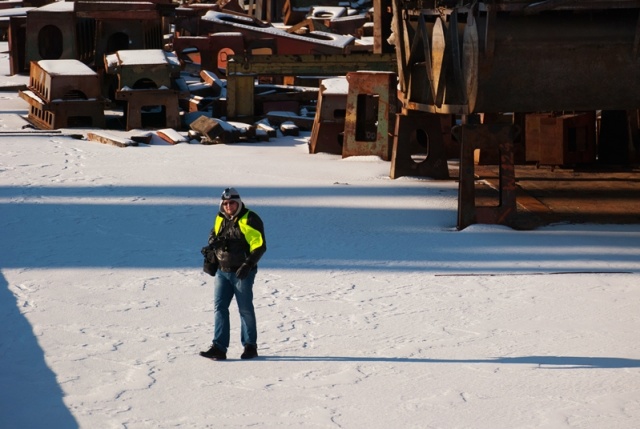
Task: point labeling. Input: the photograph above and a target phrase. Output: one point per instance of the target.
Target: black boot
(250, 352)
(214, 353)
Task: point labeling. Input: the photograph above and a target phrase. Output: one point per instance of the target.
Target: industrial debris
(62, 94)
(110, 139)
(414, 83)
(163, 65)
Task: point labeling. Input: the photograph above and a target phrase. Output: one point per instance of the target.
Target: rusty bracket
(472, 137)
(418, 146)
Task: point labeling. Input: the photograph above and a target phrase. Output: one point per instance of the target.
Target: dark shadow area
(550, 362)
(213, 191)
(633, 179)
(30, 396)
(19, 112)
(546, 195)
(119, 227)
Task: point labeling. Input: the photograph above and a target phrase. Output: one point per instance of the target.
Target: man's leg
(222, 296)
(244, 298)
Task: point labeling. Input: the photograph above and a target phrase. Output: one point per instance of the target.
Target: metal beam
(310, 64)
(247, 67)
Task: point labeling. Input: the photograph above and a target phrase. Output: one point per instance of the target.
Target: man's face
(229, 207)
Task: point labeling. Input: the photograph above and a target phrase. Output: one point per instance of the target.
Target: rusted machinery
(489, 57)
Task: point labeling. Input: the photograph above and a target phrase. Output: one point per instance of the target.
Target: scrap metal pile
(524, 79)
(159, 56)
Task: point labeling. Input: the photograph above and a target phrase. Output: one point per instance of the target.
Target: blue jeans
(226, 286)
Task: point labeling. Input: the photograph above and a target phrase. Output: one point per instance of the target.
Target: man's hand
(243, 271)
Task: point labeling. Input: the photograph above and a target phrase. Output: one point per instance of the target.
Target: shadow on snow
(126, 227)
(30, 396)
(121, 227)
(542, 361)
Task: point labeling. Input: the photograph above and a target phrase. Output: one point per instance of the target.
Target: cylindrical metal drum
(517, 62)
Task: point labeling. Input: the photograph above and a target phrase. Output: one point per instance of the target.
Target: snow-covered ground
(373, 310)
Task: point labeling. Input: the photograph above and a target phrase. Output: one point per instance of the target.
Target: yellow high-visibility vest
(252, 235)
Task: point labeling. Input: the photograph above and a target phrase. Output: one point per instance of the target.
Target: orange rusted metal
(418, 146)
(328, 127)
(281, 42)
(63, 94)
(518, 56)
(370, 116)
(87, 30)
(561, 140)
(145, 80)
(472, 137)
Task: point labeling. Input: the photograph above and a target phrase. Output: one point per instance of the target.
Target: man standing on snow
(236, 244)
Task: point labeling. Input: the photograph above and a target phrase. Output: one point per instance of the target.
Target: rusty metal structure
(328, 124)
(277, 41)
(146, 81)
(86, 30)
(370, 114)
(63, 94)
(243, 69)
(461, 57)
(518, 56)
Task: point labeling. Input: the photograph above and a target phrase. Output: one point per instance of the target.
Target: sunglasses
(228, 203)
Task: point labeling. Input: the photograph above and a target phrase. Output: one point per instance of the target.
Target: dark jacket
(238, 240)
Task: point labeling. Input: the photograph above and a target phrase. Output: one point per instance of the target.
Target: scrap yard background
(375, 308)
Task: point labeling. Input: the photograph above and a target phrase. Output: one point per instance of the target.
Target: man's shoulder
(252, 216)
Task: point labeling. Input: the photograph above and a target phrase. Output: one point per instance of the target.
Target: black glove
(243, 271)
(210, 267)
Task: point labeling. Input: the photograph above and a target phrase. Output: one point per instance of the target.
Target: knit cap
(230, 194)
